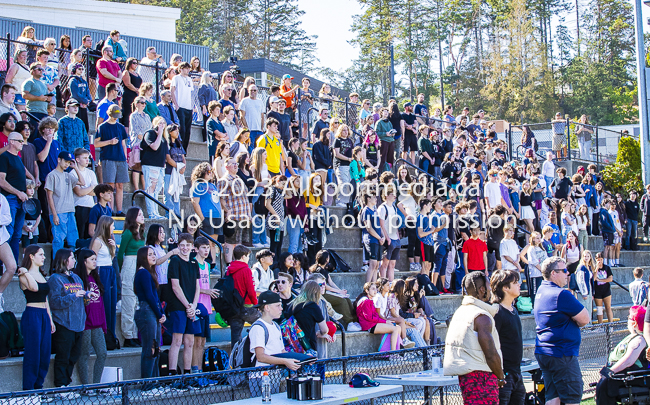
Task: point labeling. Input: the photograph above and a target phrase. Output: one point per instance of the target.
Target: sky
(331, 21)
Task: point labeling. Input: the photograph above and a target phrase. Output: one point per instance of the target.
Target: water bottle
(277, 235)
(266, 387)
(196, 314)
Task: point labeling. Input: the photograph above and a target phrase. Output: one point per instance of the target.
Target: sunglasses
(282, 282)
(565, 271)
(321, 284)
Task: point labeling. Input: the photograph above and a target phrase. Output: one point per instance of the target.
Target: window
(258, 78)
(271, 80)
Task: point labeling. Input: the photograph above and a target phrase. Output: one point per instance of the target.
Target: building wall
(130, 19)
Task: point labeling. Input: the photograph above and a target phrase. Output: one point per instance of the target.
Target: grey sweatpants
(94, 338)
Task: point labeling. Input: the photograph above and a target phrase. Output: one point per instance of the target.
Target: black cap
(499, 151)
(407, 104)
(267, 297)
(66, 156)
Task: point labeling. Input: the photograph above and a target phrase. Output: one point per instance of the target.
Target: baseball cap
(114, 111)
(408, 104)
(287, 76)
(499, 151)
(480, 111)
(66, 156)
(362, 380)
(267, 297)
(274, 99)
(72, 101)
(470, 160)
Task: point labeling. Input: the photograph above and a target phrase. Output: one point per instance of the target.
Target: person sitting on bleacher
(628, 355)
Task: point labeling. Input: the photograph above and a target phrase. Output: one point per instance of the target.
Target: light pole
(644, 136)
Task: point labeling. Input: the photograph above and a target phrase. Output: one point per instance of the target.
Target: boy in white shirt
(509, 250)
(83, 195)
(492, 191)
(262, 273)
(548, 171)
(618, 236)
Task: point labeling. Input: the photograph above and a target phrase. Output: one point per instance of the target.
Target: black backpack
(338, 264)
(11, 340)
(260, 205)
(163, 364)
(425, 283)
(229, 303)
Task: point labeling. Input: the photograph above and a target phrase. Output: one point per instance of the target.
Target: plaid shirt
(234, 194)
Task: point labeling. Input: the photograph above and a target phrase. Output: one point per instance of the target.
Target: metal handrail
(201, 231)
(416, 168)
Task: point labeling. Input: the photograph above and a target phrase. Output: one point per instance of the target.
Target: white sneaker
(407, 343)
(354, 327)
(267, 245)
(419, 266)
(343, 205)
(364, 267)
(258, 245)
(413, 267)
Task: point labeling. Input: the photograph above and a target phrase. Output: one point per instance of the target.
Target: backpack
(260, 205)
(402, 223)
(524, 304)
(429, 288)
(215, 359)
(11, 340)
(229, 303)
(163, 364)
(340, 265)
(293, 337)
(240, 355)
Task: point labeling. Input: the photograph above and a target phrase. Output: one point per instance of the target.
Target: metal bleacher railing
(231, 385)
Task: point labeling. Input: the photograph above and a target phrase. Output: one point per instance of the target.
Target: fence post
(568, 137)
(157, 83)
(298, 101)
(346, 110)
(426, 366)
(345, 370)
(8, 52)
(597, 154)
(87, 69)
(509, 136)
(125, 395)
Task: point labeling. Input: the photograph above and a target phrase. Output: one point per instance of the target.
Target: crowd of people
(467, 208)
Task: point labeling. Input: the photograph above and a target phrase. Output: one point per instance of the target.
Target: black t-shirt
(495, 231)
(150, 157)
(395, 120)
(324, 272)
(345, 148)
(421, 109)
(285, 124)
(319, 126)
(563, 187)
(307, 315)
(632, 210)
(37, 212)
(508, 326)
(13, 166)
(294, 160)
(409, 119)
(187, 273)
(602, 289)
(286, 302)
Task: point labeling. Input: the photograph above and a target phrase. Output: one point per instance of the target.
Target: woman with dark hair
(449, 170)
(175, 160)
(322, 156)
(206, 207)
(36, 323)
(131, 81)
(64, 55)
(132, 241)
(103, 244)
(528, 140)
(296, 211)
(398, 305)
(155, 239)
(418, 303)
(300, 270)
(80, 91)
(336, 296)
(571, 252)
(149, 317)
(95, 328)
(284, 264)
(307, 313)
(66, 298)
(396, 120)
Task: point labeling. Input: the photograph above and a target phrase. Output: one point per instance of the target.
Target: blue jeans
(295, 230)
(109, 280)
(65, 230)
(440, 259)
(167, 198)
(631, 228)
(259, 230)
(153, 174)
(253, 135)
(15, 228)
(548, 180)
(150, 333)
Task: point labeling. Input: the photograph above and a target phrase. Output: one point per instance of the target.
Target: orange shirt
(289, 99)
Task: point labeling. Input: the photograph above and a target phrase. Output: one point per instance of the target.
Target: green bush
(625, 174)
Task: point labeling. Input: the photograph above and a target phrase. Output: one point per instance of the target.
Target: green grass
(589, 401)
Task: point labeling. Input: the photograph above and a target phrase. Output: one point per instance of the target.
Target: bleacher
(346, 242)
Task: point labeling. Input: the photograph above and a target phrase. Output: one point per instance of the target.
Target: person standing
(559, 317)
(111, 138)
(645, 211)
(505, 289)
(72, 132)
(35, 93)
(632, 223)
(251, 113)
(13, 183)
(472, 346)
(342, 152)
(108, 71)
(181, 88)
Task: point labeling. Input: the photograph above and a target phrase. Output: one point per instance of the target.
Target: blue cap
(362, 380)
(66, 156)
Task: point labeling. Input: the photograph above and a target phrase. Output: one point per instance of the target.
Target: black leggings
(595, 230)
(413, 249)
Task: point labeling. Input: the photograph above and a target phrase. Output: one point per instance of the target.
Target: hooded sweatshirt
(243, 278)
(68, 310)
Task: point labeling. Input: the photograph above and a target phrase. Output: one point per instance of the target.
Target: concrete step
(595, 244)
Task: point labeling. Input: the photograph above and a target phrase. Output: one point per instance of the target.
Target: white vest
(463, 353)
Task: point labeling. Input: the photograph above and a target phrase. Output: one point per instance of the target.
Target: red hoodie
(243, 277)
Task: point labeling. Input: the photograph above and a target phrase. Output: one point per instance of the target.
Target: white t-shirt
(509, 248)
(548, 169)
(381, 303)
(183, 90)
(617, 221)
(391, 218)
(91, 181)
(253, 110)
(275, 344)
(493, 193)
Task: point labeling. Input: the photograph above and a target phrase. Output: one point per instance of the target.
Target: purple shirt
(505, 193)
(95, 315)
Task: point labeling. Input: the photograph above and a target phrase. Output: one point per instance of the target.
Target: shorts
(204, 322)
(602, 291)
(608, 238)
(114, 171)
(410, 143)
(184, 325)
(428, 252)
(236, 238)
(558, 141)
(373, 249)
(207, 227)
(562, 378)
(392, 251)
(479, 388)
(19, 100)
(496, 251)
(617, 239)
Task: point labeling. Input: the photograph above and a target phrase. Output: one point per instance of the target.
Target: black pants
(66, 345)
(44, 227)
(81, 215)
(83, 115)
(595, 230)
(276, 245)
(185, 122)
(646, 225)
(414, 248)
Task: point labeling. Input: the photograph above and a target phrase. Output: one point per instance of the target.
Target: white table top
(426, 378)
(333, 394)
(530, 367)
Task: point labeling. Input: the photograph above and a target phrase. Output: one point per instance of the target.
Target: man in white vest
(472, 348)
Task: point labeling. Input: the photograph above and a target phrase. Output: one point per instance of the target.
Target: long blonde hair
(144, 88)
(257, 162)
(340, 129)
(592, 263)
(310, 292)
(206, 77)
